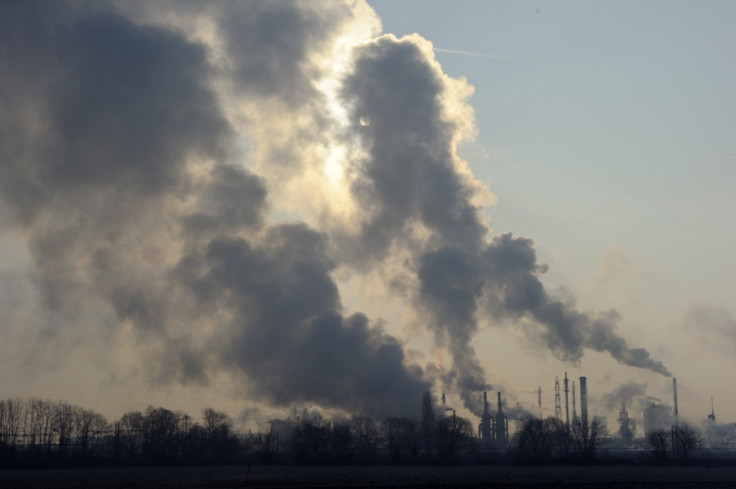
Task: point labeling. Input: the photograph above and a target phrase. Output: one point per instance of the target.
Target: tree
(219, 438)
(453, 433)
(428, 423)
(686, 439)
(540, 440)
(312, 441)
(12, 412)
(658, 440)
(365, 437)
(161, 430)
(586, 439)
(131, 435)
(342, 442)
(403, 438)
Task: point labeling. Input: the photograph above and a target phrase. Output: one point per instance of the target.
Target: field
(589, 477)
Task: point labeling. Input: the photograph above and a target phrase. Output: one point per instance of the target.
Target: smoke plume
(633, 394)
(199, 172)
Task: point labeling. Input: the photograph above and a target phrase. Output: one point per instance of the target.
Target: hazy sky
(269, 206)
(606, 131)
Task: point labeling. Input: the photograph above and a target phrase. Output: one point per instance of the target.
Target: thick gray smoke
(151, 152)
(120, 166)
(411, 177)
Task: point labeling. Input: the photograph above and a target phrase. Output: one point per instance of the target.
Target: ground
(591, 477)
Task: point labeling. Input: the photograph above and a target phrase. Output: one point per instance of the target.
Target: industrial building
(493, 431)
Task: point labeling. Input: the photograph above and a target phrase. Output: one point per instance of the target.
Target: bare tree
(12, 412)
(63, 425)
(402, 437)
(342, 441)
(220, 440)
(312, 441)
(586, 439)
(686, 439)
(658, 440)
(429, 421)
(365, 436)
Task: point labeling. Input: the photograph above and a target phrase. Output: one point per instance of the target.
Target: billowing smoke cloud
(410, 183)
(121, 168)
(198, 173)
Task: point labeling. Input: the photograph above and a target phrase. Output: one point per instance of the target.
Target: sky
(266, 207)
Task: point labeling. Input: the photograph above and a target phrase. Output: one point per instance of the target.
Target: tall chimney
(485, 422)
(674, 392)
(584, 401)
(567, 408)
(501, 426)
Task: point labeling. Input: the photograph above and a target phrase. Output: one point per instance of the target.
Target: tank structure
(657, 417)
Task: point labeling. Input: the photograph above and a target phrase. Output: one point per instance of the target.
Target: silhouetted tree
(541, 440)
(365, 437)
(586, 439)
(453, 433)
(402, 437)
(429, 422)
(658, 440)
(686, 440)
(161, 430)
(342, 442)
(220, 443)
(312, 441)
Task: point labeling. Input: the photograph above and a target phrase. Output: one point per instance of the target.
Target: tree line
(552, 440)
(37, 432)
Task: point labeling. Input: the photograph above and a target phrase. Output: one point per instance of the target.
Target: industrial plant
(642, 427)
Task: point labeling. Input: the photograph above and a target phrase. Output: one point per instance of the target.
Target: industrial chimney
(501, 426)
(485, 422)
(567, 408)
(674, 392)
(584, 401)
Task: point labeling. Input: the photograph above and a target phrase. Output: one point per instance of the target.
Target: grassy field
(374, 476)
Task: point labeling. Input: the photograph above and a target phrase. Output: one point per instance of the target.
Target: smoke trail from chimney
(146, 155)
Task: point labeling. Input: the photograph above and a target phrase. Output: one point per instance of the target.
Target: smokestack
(539, 401)
(485, 422)
(674, 392)
(567, 405)
(584, 401)
(574, 412)
(501, 426)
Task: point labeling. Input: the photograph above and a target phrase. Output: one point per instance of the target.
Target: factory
(659, 419)
(493, 431)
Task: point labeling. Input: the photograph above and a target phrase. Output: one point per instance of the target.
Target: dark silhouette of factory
(493, 430)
